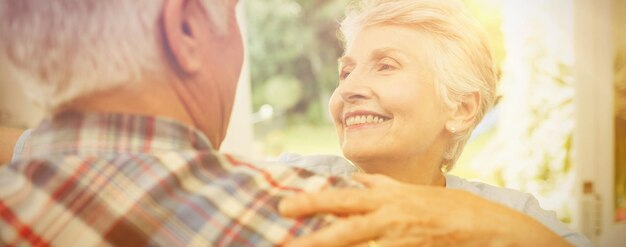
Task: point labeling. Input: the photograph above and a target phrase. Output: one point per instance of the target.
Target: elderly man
(139, 95)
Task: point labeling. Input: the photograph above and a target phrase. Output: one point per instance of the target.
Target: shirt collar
(101, 133)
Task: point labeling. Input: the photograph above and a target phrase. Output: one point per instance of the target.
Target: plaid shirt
(126, 180)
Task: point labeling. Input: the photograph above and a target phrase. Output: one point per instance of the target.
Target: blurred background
(558, 132)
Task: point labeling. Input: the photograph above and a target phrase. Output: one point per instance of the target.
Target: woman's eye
(383, 67)
(386, 64)
(343, 75)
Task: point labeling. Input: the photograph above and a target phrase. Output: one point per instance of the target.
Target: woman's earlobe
(452, 127)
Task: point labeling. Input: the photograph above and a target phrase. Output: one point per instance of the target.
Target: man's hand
(395, 214)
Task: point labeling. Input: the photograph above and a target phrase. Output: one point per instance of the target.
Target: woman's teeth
(370, 119)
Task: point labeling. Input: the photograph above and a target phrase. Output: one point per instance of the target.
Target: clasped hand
(396, 214)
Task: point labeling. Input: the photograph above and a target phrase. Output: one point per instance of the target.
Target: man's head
(65, 50)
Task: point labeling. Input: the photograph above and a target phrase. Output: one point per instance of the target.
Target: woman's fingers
(381, 189)
(352, 231)
(336, 201)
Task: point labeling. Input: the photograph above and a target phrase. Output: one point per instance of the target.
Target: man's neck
(154, 99)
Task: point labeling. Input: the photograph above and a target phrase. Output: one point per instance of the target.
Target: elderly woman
(416, 78)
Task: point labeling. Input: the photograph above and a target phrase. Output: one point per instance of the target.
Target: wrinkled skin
(396, 214)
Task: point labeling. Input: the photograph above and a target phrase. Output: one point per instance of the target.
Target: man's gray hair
(59, 50)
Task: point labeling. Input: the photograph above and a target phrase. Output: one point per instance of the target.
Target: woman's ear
(464, 114)
(181, 27)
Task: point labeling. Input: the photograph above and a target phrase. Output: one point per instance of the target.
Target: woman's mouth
(354, 120)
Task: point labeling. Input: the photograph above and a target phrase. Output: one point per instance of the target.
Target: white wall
(593, 143)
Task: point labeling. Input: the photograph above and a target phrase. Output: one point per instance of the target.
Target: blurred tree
(295, 42)
(532, 147)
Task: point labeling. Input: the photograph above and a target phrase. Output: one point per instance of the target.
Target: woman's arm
(395, 214)
(8, 139)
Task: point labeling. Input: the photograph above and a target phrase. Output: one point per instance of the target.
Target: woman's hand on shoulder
(390, 213)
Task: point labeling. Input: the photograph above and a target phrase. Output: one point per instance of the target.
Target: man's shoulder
(191, 188)
(268, 174)
(302, 178)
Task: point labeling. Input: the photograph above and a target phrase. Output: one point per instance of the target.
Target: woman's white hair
(59, 50)
(462, 59)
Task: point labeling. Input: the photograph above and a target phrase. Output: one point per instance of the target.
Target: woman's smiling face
(386, 106)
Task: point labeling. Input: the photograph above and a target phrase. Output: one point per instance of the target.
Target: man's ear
(464, 114)
(181, 31)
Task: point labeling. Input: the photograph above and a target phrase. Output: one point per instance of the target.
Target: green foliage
(282, 91)
(293, 42)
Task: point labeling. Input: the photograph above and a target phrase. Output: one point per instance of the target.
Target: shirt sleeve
(549, 219)
(523, 202)
(20, 144)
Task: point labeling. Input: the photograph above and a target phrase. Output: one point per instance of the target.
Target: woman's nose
(353, 90)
